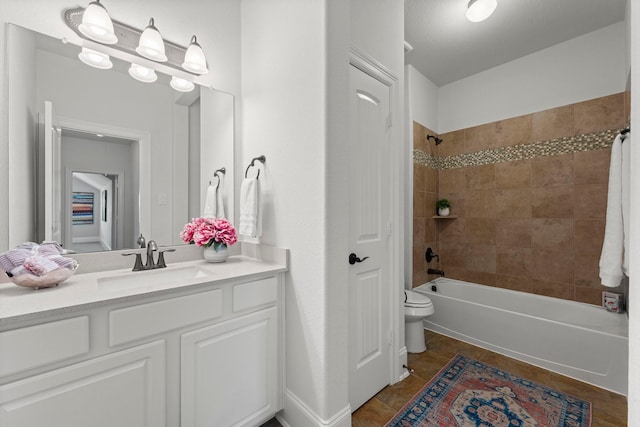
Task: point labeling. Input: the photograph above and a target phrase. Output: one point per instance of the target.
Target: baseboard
(297, 414)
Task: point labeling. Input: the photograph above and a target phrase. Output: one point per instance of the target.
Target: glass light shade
(479, 10)
(151, 45)
(194, 60)
(96, 24)
(143, 74)
(181, 85)
(95, 59)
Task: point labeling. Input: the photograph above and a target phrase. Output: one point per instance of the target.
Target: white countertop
(84, 290)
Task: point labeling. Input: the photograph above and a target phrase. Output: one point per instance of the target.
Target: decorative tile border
(553, 147)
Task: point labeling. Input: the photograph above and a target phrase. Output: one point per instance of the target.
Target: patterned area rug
(468, 393)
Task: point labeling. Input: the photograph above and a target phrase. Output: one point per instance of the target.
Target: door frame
(142, 139)
(369, 65)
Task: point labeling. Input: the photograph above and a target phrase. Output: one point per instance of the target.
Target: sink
(151, 278)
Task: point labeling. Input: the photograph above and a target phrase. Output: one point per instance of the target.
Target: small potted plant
(443, 206)
(213, 234)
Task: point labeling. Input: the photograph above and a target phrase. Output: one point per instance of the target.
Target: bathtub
(578, 340)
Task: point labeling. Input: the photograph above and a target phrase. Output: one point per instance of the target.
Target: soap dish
(48, 280)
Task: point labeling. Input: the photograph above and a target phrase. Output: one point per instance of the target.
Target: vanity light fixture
(142, 74)
(194, 60)
(95, 59)
(181, 85)
(479, 10)
(151, 44)
(180, 62)
(96, 24)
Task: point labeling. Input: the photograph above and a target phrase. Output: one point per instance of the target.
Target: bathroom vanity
(191, 344)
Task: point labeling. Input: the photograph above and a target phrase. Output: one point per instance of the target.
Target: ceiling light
(181, 85)
(143, 74)
(96, 24)
(479, 10)
(194, 60)
(151, 45)
(95, 59)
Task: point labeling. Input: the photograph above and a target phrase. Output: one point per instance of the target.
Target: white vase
(443, 211)
(211, 255)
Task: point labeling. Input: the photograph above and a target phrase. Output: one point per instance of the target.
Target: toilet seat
(417, 300)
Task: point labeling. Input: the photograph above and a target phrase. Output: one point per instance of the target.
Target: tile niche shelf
(445, 217)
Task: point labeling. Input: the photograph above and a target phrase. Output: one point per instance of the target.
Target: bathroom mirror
(145, 152)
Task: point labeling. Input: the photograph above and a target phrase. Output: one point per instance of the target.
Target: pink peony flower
(209, 231)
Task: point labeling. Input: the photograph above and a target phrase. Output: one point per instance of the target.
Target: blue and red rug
(468, 393)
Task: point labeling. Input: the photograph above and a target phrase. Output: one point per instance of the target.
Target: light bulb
(194, 60)
(96, 24)
(151, 45)
(143, 74)
(95, 59)
(181, 85)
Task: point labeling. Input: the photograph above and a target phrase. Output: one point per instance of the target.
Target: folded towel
(31, 258)
(209, 210)
(614, 259)
(220, 213)
(250, 212)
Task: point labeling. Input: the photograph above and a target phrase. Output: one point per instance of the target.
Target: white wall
(295, 58)
(423, 97)
(284, 118)
(587, 67)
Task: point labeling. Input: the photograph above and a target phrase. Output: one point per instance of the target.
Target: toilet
(416, 308)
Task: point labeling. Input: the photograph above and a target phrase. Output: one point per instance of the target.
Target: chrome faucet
(151, 248)
(151, 264)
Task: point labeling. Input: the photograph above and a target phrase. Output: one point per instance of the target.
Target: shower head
(435, 138)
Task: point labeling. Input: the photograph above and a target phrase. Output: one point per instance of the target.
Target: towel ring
(215, 174)
(261, 158)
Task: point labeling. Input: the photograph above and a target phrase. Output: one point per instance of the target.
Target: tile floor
(608, 409)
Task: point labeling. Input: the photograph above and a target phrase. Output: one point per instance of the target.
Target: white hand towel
(220, 213)
(209, 210)
(614, 259)
(250, 212)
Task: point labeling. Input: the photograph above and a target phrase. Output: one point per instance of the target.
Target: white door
(51, 179)
(369, 229)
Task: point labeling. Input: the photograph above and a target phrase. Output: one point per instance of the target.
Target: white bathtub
(578, 340)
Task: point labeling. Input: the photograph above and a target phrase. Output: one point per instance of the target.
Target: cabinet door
(126, 388)
(229, 372)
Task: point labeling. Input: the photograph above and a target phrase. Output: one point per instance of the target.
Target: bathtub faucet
(434, 271)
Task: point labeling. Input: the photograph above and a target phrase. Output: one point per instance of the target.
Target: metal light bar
(128, 38)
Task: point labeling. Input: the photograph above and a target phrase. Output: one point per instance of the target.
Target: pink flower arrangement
(209, 231)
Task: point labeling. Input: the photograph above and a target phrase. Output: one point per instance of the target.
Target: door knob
(353, 258)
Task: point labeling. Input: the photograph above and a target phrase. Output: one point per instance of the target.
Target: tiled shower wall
(530, 203)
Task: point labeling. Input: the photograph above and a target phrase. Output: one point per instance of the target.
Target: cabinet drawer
(141, 321)
(254, 294)
(39, 345)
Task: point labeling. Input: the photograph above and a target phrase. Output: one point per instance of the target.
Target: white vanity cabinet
(210, 355)
(124, 388)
